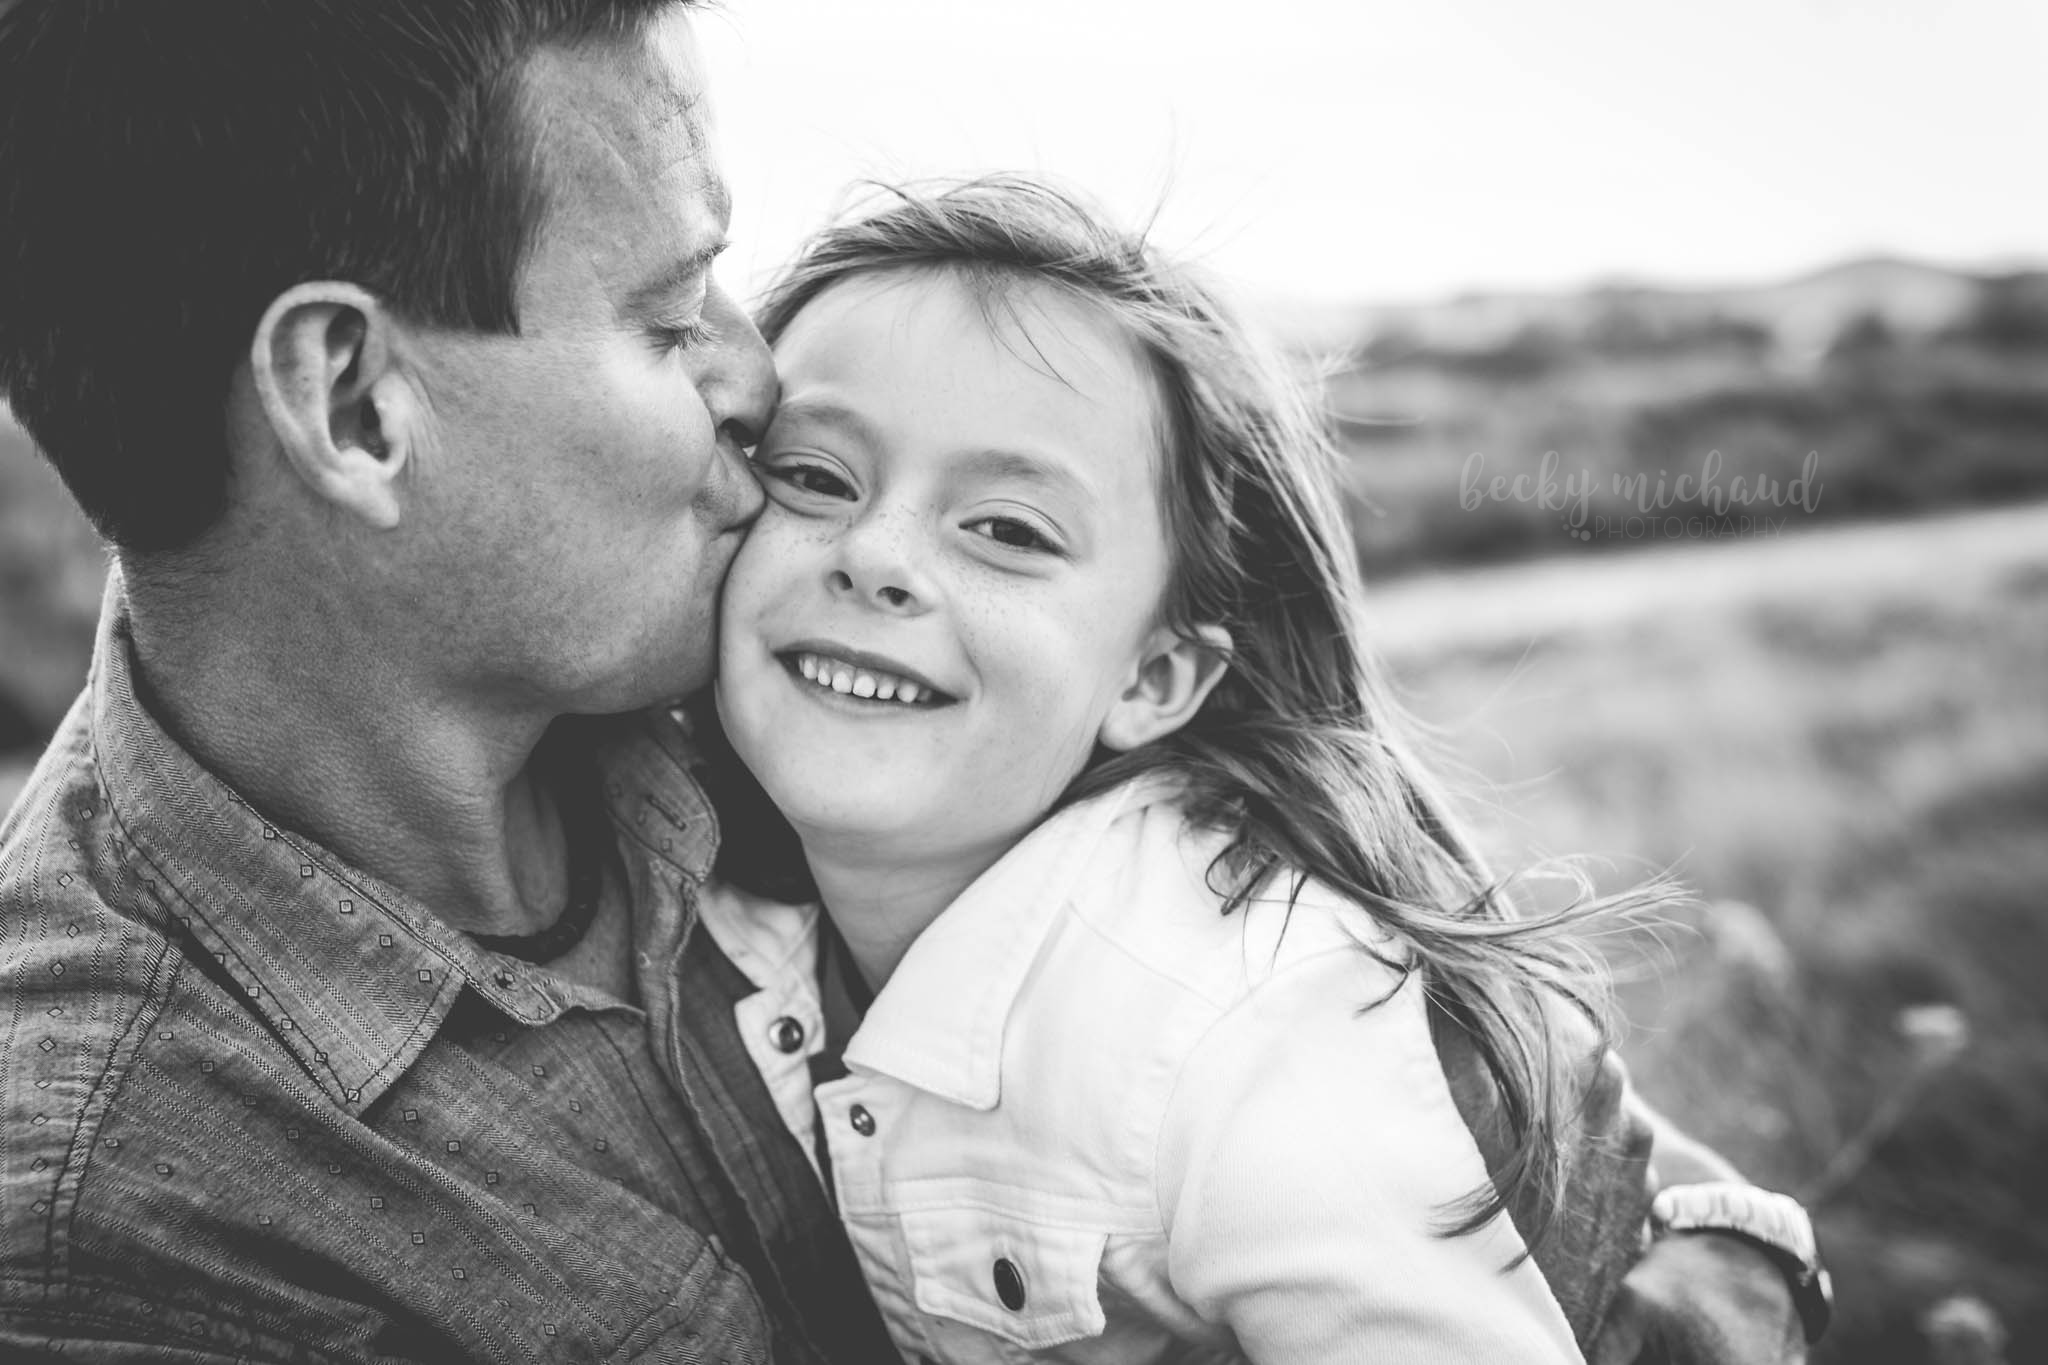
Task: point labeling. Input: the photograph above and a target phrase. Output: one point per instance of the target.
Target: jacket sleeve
(1309, 1160)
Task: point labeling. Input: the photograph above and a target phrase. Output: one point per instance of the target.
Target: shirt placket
(857, 1114)
(783, 1029)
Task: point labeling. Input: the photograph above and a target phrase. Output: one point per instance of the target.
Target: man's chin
(687, 664)
(652, 683)
(684, 680)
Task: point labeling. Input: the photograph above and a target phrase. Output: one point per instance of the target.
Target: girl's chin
(878, 819)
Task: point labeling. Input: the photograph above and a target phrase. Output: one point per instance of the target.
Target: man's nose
(740, 396)
(743, 391)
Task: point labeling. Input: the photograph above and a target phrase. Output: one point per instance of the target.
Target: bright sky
(1339, 150)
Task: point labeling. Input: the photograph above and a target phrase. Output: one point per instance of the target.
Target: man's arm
(1697, 1296)
(1693, 1298)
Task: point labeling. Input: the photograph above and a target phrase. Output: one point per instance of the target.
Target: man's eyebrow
(673, 279)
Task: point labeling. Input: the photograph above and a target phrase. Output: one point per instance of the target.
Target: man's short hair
(166, 170)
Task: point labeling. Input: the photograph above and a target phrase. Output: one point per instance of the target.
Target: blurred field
(50, 574)
(1846, 734)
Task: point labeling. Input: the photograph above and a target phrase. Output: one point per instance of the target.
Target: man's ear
(323, 363)
(1174, 676)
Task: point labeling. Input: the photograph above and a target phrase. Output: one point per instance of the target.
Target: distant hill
(1807, 311)
(1910, 298)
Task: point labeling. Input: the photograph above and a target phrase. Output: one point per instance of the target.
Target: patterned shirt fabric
(1092, 1119)
(256, 1105)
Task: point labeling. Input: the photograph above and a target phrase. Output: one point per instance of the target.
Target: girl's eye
(1014, 534)
(809, 478)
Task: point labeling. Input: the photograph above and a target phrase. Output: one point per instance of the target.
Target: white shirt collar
(938, 1024)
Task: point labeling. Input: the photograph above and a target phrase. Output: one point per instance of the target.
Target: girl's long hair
(1300, 752)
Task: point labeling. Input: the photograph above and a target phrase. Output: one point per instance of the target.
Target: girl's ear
(1173, 678)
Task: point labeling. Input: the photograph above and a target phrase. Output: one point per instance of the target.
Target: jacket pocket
(1030, 1284)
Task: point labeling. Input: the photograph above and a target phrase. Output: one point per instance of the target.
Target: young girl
(1110, 1037)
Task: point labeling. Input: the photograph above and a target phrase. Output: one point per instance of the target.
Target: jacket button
(863, 1122)
(1009, 1284)
(786, 1034)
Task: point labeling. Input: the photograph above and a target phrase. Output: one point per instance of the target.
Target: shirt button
(863, 1122)
(787, 1034)
(1009, 1284)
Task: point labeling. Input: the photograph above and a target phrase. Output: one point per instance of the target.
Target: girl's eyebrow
(1027, 467)
(994, 462)
(832, 413)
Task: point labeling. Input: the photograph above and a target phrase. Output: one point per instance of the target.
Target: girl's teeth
(843, 678)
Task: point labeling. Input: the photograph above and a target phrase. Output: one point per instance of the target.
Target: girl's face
(954, 585)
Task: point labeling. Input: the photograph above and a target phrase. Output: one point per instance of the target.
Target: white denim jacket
(1092, 1119)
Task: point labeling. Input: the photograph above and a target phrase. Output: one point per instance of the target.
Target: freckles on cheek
(771, 564)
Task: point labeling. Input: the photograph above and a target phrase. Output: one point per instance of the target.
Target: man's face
(582, 486)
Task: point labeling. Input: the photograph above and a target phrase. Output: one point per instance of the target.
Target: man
(382, 342)
(353, 1008)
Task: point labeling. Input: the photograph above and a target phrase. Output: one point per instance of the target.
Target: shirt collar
(938, 1024)
(353, 975)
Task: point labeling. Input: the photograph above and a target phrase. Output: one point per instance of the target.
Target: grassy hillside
(1907, 388)
(1842, 742)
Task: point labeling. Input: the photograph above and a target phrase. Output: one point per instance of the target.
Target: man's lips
(860, 673)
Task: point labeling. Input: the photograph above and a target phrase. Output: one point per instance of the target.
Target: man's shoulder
(74, 895)
(93, 981)
(124, 1066)
(75, 914)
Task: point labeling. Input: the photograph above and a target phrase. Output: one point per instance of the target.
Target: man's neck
(430, 792)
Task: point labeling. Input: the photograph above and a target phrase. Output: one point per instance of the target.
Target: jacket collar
(352, 975)
(938, 1024)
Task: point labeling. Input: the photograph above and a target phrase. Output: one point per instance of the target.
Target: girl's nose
(884, 594)
(877, 564)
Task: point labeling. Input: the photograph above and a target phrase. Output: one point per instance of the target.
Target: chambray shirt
(1092, 1119)
(255, 1105)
